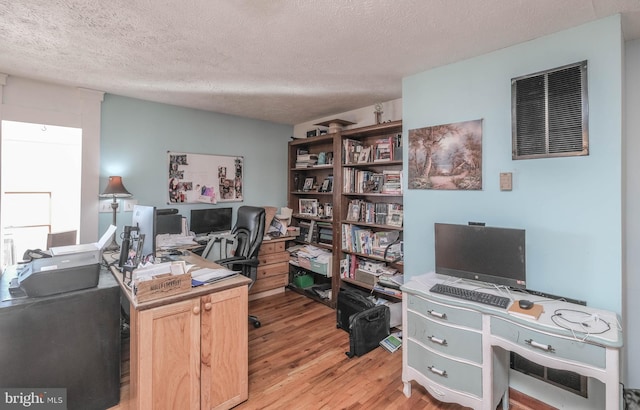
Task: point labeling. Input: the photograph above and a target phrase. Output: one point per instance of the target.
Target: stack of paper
(209, 275)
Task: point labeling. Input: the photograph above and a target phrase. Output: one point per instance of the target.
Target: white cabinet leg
(407, 389)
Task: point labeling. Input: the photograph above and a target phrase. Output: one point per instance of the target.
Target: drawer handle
(434, 339)
(546, 348)
(437, 314)
(437, 371)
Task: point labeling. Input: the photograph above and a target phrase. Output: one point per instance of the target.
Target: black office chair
(248, 233)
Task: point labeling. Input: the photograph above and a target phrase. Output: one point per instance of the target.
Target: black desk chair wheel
(248, 233)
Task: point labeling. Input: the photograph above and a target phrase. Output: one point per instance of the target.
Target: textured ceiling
(286, 61)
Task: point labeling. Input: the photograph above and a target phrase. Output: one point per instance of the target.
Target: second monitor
(210, 220)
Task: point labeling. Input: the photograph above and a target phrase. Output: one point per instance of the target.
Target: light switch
(129, 204)
(506, 183)
(105, 205)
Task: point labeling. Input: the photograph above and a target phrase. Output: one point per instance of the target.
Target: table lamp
(114, 190)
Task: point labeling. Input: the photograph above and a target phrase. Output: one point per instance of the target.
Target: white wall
(361, 117)
(32, 101)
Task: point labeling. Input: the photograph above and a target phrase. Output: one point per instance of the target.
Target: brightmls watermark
(33, 398)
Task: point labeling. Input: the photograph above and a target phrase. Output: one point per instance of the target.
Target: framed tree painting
(204, 178)
(446, 157)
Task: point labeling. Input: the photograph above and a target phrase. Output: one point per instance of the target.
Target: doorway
(41, 173)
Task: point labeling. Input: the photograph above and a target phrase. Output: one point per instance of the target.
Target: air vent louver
(549, 113)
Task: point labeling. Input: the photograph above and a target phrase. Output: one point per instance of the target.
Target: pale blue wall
(632, 284)
(136, 135)
(569, 207)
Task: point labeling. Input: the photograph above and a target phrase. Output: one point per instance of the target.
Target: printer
(58, 274)
(70, 268)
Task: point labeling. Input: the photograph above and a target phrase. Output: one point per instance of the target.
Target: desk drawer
(274, 258)
(446, 339)
(269, 282)
(267, 248)
(273, 269)
(450, 373)
(445, 313)
(553, 346)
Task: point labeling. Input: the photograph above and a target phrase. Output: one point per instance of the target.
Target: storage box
(366, 277)
(321, 268)
(303, 281)
(161, 280)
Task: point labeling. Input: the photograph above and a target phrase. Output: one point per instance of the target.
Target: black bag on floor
(350, 302)
(367, 329)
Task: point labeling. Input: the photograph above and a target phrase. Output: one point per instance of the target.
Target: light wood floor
(297, 360)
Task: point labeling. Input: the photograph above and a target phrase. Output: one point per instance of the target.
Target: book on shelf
(363, 240)
(388, 291)
(390, 281)
(383, 150)
(306, 160)
(533, 313)
(392, 182)
(351, 151)
(392, 342)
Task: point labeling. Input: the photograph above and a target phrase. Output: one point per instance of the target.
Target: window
(550, 113)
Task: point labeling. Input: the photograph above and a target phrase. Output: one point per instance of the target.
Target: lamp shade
(115, 188)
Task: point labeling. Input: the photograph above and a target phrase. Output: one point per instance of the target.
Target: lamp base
(113, 246)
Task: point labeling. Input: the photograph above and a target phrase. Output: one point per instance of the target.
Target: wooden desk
(459, 350)
(190, 350)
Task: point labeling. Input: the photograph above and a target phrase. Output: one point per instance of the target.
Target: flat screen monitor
(168, 224)
(488, 254)
(208, 220)
(144, 218)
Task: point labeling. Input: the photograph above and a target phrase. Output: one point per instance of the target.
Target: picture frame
(353, 213)
(308, 206)
(309, 182)
(327, 185)
(364, 155)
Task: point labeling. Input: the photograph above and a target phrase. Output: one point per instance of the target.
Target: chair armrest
(238, 260)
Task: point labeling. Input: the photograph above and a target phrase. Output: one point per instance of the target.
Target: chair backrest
(61, 238)
(249, 230)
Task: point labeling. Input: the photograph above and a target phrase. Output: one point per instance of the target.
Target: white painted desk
(459, 350)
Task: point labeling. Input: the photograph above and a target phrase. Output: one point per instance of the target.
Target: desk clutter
(160, 280)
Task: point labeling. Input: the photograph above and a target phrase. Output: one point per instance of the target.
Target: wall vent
(549, 113)
(564, 379)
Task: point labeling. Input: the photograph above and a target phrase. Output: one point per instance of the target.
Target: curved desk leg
(407, 389)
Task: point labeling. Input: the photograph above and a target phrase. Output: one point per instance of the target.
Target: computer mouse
(525, 304)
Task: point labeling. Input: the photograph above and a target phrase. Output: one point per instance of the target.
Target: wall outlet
(129, 204)
(105, 205)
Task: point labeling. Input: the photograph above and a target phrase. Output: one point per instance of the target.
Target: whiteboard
(204, 178)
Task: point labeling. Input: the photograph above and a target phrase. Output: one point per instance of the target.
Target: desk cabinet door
(224, 357)
(169, 356)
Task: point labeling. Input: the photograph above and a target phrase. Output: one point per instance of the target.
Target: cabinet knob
(196, 310)
(207, 306)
